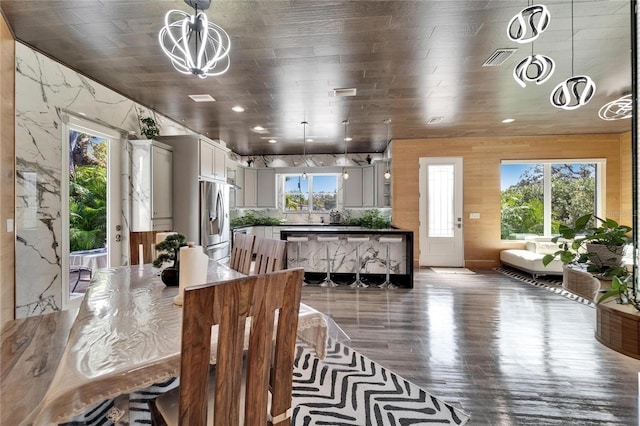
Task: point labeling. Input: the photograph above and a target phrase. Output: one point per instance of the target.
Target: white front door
(441, 222)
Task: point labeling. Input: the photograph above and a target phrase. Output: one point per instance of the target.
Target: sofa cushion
(541, 247)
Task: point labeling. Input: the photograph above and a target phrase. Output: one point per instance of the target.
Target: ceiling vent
(344, 92)
(435, 120)
(202, 98)
(499, 57)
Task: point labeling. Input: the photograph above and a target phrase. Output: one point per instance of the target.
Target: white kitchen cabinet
(266, 187)
(213, 161)
(383, 186)
(258, 187)
(360, 189)
(152, 185)
(352, 188)
(368, 186)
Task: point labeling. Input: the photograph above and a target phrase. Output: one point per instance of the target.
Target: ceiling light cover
(344, 92)
(573, 93)
(195, 45)
(617, 109)
(527, 25)
(538, 68)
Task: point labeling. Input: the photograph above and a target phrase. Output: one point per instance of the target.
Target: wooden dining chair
(240, 394)
(270, 255)
(242, 253)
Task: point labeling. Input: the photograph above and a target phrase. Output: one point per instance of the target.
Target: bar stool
(298, 240)
(358, 240)
(388, 240)
(328, 282)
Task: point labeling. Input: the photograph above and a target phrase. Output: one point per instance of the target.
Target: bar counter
(343, 253)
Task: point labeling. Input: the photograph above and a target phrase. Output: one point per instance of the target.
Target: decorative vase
(170, 276)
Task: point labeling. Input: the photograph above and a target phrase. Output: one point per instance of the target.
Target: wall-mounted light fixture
(195, 45)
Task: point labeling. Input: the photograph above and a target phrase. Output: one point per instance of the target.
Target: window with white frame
(318, 193)
(538, 195)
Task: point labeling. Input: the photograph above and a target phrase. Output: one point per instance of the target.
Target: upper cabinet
(213, 161)
(367, 187)
(258, 187)
(352, 187)
(383, 186)
(152, 186)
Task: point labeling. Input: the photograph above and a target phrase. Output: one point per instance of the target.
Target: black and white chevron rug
(346, 388)
(550, 283)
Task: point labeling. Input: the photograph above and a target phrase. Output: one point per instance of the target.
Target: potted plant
(149, 128)
(622, 291)
(169, 252)
(597, 243)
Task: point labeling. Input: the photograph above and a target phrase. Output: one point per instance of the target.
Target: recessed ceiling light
(508, 120)
(273, 141)
(258, 128)
(238, 108)
(202, 98)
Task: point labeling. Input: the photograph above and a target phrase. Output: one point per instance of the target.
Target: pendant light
(387, 172)
(345, 173)
(195, 45)
(576, 90)
(304, 148)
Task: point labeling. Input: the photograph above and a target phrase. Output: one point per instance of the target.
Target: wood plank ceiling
(410, 61)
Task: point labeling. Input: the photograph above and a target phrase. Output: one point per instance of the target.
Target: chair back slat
(270, 255)
(228, 304)
(242, 253)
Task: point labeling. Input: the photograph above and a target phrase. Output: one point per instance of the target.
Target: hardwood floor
(505, 352)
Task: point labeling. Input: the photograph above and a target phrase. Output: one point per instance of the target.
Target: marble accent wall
(45, 92)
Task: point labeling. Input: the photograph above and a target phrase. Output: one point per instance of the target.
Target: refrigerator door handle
(220, 210)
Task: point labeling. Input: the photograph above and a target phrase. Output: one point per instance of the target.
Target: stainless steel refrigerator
(214, 219)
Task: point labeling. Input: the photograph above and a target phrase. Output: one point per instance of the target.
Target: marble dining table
(125, 337)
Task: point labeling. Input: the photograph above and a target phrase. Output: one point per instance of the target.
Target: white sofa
(529, 259)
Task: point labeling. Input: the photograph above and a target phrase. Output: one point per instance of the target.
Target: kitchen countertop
(320, 226)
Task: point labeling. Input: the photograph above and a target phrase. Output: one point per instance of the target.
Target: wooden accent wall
(7, 174)
(626, 190)
(481, 164)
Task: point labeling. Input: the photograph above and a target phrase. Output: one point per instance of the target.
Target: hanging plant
(149, 128)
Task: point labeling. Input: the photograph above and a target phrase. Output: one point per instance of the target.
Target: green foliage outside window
(88, 208)
(573, 194)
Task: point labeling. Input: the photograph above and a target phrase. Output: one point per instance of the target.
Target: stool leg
(357, 283)
(304, 281)
(388, 284)
(327, 281)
